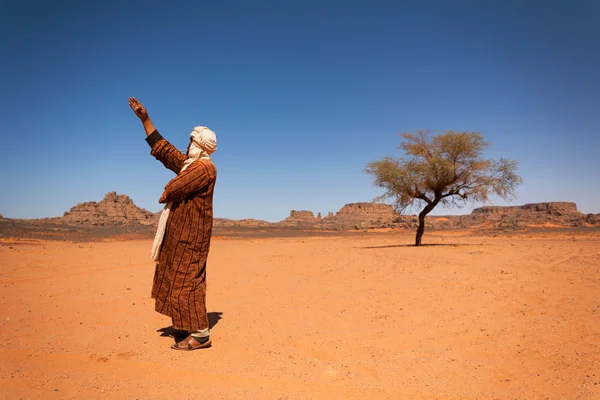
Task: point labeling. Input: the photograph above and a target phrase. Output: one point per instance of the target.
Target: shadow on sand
(178, 335)
(423, 245)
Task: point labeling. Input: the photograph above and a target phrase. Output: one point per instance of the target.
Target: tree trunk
(421, 228)
(422, 214)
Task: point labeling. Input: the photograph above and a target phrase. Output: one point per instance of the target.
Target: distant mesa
(301, 218)
(554, 208)
(350, 216)
(557, 213)
(240, 223)
(115, 209)
(364, 216)
(119, 210)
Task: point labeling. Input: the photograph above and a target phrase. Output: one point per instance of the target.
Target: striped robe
(179, 286)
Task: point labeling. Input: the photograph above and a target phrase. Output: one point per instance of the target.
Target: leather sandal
(192, 343)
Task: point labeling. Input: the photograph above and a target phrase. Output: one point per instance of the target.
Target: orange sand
(353, 317)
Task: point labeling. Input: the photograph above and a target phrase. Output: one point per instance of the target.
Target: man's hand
(142, 114)
(138, 109)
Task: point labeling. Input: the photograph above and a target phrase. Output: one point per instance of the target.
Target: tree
(446, 168)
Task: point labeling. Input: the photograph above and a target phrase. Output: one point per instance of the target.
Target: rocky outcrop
(592, 219)
(371, 211)
(119, 210)
(114, 209)
(301, 218)
(240, 223)
(363, 216)
(373, 215)
(557, 213)
(553, 208)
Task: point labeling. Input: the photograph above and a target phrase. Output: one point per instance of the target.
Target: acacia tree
(446, 168)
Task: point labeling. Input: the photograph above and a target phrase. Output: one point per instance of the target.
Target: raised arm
(164, 151)
(142, 114)
(194, 179)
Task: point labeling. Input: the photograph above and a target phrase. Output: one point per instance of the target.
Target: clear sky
(301, 95)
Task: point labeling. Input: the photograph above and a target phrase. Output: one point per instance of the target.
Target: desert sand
(361, 316)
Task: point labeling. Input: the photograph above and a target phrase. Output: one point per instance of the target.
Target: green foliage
(447, 168)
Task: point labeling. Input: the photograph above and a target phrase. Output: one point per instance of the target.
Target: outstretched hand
(138, 109)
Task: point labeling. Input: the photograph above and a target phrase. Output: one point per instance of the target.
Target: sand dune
(349, 317)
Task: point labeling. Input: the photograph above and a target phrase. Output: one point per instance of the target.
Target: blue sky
(301, 96)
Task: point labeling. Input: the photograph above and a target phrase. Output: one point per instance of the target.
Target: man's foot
(192, 343)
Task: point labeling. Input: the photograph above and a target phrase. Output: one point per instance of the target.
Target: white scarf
(200, 136)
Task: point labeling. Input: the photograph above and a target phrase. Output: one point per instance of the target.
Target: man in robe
(183, 236)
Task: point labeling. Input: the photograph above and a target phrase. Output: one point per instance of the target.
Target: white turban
(204, 143)
(205, 139)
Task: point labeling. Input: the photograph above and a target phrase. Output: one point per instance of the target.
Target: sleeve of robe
(165, 152)
(196, 178)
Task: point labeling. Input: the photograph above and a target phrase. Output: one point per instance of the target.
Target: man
(183, 236)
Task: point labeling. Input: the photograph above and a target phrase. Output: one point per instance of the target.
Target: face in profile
(187, 151)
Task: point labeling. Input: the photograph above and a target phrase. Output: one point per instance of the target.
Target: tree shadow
(178, 335)
(423, 245)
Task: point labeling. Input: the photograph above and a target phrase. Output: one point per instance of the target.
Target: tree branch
(422, 196)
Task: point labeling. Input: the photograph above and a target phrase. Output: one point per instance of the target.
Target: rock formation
(239, 223)
(301, 218)
(556, 213)
(373, 215)
(554, 208)
(114, 209)
(119, 210)
(371, 211)
(363, 216)
(592, 219)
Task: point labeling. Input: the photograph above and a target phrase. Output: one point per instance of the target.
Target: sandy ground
(352, 317)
